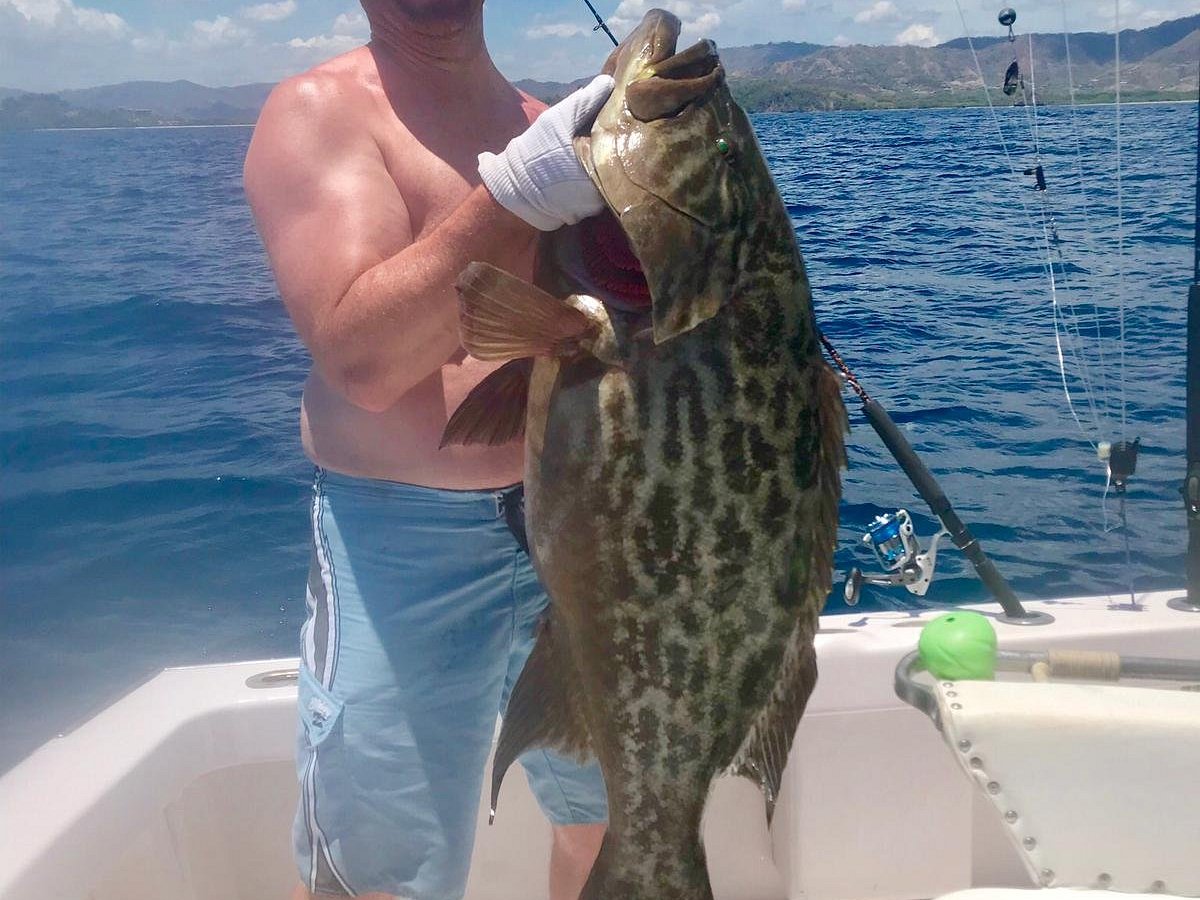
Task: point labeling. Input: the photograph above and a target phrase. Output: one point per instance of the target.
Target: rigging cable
(1120, 206)
(1007, 17)
(1120, 458)
(1085, 206)
(1053, 245)
(1060, 295)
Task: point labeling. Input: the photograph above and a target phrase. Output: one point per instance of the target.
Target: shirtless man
(364, 176)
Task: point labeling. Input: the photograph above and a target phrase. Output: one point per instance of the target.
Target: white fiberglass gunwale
(185, 786)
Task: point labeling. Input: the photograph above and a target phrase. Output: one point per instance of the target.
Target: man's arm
(376, 309)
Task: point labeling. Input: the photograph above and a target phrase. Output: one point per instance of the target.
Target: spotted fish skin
(682, 478)
(682, 496)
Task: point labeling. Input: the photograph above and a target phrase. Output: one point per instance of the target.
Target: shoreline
(790, 112)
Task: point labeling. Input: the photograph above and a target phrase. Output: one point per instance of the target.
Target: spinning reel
(899, 552)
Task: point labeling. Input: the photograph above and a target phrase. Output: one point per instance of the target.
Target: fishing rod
(601, 25)
(892, 537)
(1190, 602)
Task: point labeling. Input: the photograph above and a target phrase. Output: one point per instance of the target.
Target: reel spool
(898, 549)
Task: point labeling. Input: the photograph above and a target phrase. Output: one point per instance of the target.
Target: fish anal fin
(502, 317)
(494, 412)
(543, 710)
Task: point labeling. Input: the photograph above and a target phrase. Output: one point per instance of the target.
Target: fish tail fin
(502, 317)
(543, 709)
(493, 413)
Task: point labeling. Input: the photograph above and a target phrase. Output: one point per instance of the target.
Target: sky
(49, 45)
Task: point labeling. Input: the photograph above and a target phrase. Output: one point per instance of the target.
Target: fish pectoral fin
(504, 317)
(544, 708)
(494, 412)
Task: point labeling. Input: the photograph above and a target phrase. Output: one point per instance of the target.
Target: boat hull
(186, 786)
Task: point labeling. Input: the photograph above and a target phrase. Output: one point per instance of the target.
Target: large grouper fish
(682, 479)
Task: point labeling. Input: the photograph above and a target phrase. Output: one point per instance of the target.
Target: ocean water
(153, 490)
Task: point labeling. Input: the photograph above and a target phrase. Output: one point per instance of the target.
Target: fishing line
(1120, 458)
(1014, 80)
(1085, 207)
(1063, 310)
(600, 25)
(1120, 206)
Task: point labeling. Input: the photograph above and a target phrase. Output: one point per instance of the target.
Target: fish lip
(696, 61)
(665, 29)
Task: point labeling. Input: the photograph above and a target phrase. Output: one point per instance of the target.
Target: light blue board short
(421, 613)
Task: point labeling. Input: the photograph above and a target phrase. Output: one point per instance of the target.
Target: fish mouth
(611, 265)
(661, 81)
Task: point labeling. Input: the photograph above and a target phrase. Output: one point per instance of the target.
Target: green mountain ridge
(1157, 63)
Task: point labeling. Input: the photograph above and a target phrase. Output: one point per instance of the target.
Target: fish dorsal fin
(494, 412)
(543, 711)
(502, 317)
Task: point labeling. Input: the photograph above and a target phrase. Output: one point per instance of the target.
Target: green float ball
(959, 646)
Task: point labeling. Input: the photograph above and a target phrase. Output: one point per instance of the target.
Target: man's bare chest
(435, 166)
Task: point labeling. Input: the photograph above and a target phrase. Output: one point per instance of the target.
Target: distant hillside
(1097, 46)
(757, 57)
(1157, 63)
(181, 100)
(32, 112)
(549, 91)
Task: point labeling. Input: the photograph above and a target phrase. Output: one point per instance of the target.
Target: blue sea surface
(153, 491)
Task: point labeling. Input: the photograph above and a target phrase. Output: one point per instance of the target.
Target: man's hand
(538, 178)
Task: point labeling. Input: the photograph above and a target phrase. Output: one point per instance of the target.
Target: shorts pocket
(320, 711)
(322, 787)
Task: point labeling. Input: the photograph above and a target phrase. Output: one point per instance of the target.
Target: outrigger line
(1120, 457)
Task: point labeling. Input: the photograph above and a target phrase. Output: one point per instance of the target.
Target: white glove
(538, 177)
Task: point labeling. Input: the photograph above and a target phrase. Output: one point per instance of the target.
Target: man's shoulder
(329, 89)
(310, 118)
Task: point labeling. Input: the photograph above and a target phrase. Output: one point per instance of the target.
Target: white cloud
(349, 30)
(918, 34)
(65, 16)
(221, 30)
(55, 44)
(841, 41)
(327, 43)
(555, 30)
(700, 18)
(268, 12)
(880, 11)
(350, 23)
